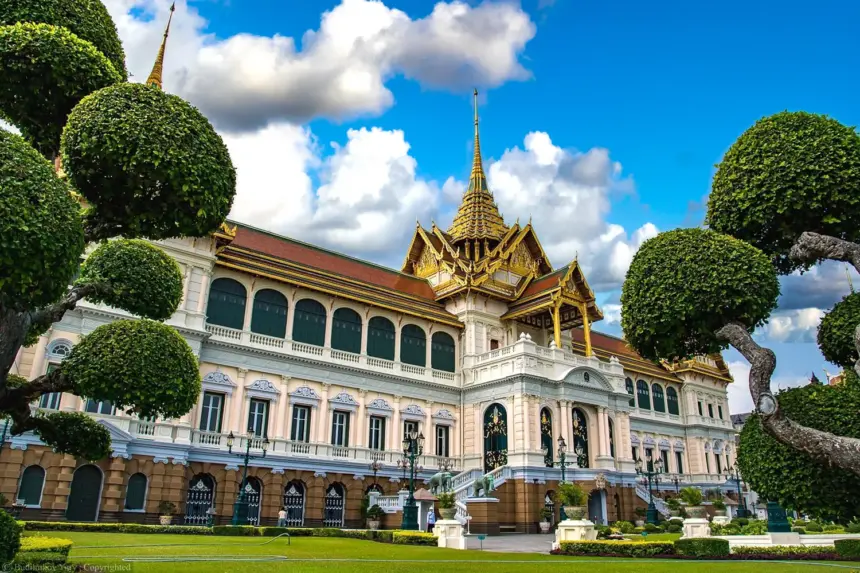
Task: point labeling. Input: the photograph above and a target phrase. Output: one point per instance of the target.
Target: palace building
(477, 343)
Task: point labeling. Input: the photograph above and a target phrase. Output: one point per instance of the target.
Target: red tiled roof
(605, 346)
(546, 282)
(328, 261)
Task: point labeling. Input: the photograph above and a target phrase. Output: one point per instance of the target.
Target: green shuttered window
(269, 315)
(226, 304)
(309, 322)
(346, 331)
(442, 352)
(380, 338)
(413, 345)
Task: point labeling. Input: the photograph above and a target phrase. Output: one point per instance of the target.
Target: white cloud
(611, 314)
(567, 194)
(9, 127)
(740, 400)
(243, 82)
(798, 325)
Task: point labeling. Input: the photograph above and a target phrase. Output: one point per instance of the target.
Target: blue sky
(630, 104)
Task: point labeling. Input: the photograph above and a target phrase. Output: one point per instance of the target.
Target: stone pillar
(528, 445)
(64, 483)
(429, 435)
(428, 360)
(359, 429)
(457, 435)
(323, 415)
(237, 399)
(485, 515)
(204, 290)
(397, 343)
(186, 281)
(328, 324)
(249, 307)
(10, 470)
(283, 409)
(38, 365)
(113, 489)
(393, 436)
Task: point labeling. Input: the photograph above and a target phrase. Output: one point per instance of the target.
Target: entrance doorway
(85, 494)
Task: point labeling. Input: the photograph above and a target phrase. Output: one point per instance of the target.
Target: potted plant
(545, 517)
(640, 513)
(374, 515)
(692, 500)
(674, 506)
(573, 498)
(166, 509)
(447, 505)
(719, 507)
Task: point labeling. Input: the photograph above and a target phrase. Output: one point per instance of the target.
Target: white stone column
(397, 345)
(237, 399)
(359, 429)
(249, 307)
(527, 427)
(204, 290)
(393, 436)
(38, 366)
(283, 408)
(323, 420)
(457, 435)
(329, 319)
(429, 436)
(186, 281)
(364, 328)
(428, 360)
(291, 316)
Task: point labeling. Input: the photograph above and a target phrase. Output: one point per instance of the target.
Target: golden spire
(154, 78)
(850, 282)
(478, 216)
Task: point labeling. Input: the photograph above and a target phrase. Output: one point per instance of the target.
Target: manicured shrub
(624, 526)
(848, 548)
(237, 530)
(39, 560)
(853, 527)
(293, 531)
(799, 530)
(10, 537)
(38, 543)
(741, 521)
(651, 528)
(616, 548)
(414, 538)
(702, 547)
(114, 527)
(814, 527)
(672, 528)
(833, 528)
(780, 552)
(799, 523)
(755, 527)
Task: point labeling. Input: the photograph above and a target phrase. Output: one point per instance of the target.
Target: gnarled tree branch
(18, 398)
(47, 316)
(840, 451)
(812, 247)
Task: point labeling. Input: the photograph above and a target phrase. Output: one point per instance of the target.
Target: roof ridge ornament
(154, 78)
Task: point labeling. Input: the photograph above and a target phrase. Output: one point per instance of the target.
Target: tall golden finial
(477, 164)
(850, 282)
(154, 78)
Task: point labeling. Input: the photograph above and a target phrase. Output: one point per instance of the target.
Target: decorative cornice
(218, 378)
(344, 398)
(263, 386)
(444, 414)
(413, 410)
(278, 471)
(231, 467)
(380, 404)
(319, 474)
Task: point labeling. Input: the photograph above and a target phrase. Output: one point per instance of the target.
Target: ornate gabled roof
(605, 346)
(478, 217)
(154, 78)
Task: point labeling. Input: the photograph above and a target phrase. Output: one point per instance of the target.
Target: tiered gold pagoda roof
(478, 217)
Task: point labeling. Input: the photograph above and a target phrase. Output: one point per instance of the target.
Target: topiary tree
(785, 196)
(143, 164)
(797, 481)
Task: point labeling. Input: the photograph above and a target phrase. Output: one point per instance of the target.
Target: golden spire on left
(154, 78)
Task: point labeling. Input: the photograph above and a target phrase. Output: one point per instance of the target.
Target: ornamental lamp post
(651, 476)
(375, 466)
(413, 446)
(734, 473)
(676, 480)
(241, 501)
(562, 461)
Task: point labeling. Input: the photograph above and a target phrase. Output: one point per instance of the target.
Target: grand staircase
(661, 506)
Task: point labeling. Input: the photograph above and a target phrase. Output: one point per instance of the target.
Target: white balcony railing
(324, 353)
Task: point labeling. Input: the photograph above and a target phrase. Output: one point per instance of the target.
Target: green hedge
(848, 548)
(37, 552)
(114, 527)
(38, 543)
(384, 536)
(787, 550)
(702, 547)
(620, 548)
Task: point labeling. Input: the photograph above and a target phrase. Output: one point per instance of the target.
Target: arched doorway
(495, 437)
(335, 497)
(85, 494)
(596, 507)
(253, 491)
(198, 499)
(294, 503)
(580, 437)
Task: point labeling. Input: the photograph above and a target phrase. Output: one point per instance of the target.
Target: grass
(336, 554)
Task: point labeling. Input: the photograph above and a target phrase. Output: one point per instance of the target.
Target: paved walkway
(513, 543)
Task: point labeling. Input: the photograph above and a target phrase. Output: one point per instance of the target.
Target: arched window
(611, 437)
(59, 348)
(659, 404)
(413, 345)
(672, 399)
(269, 315)
(226, 305)
(546, 435)
(442, 352)
(309, 322)
(294, 503)
(31, 485)
(495, 437)
(135, 492)
(333, 509)
(628, 383)
(346, 331)
(253, 490)
(200, 498)
(644, 395)
(580, 437)
(380, 338)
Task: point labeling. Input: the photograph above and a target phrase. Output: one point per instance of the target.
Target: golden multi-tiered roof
(480, 254)
(478, 217)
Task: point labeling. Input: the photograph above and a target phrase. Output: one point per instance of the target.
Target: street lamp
(734, 473)
(562, 459)
(375, 466)
(241, 503)
(651, 476)
(413, 446)
(676, 480)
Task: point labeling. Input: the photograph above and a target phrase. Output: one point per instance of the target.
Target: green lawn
(337, 554)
